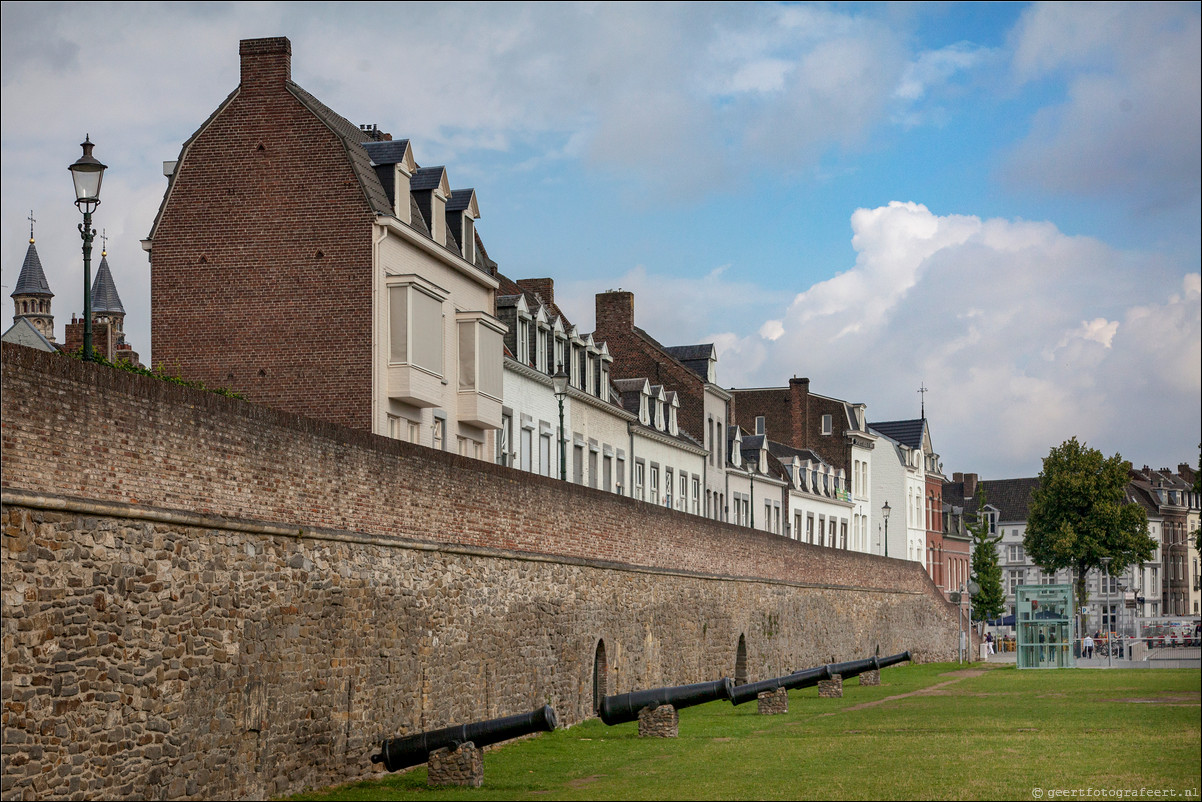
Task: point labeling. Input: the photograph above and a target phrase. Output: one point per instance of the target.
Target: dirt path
(933, 689)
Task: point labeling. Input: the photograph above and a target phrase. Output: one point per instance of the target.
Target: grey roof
(32, 280)
(459, 200)
(688, 352)
(22, 332)
(104, 291)
(785, 452)
(387, 152)
(1010, 497)
(426, 178)
(906, 432)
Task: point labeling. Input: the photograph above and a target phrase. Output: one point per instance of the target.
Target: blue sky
(1000, 202)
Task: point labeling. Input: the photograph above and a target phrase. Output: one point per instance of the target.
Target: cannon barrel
(413, 750)
(626, 706)
(798, 679)
(855, 668)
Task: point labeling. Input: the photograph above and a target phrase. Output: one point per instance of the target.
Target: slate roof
(22, 332)
(460, 199)
(1010, 497)
(786, 453)
(104, 291)
(426, 178)
(906, 432)
(686, 353)
(389, 152)
(32, 280)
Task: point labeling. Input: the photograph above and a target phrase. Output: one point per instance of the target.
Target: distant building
(32, 296)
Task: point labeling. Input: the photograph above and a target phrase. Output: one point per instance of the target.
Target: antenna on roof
(922, 392)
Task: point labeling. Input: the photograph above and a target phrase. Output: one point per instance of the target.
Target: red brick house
(310, 264)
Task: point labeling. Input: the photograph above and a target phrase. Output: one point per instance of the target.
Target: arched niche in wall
(741, 661)
(600, 675)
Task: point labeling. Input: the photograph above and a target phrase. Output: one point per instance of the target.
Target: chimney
(266, 63)
(615, 311)
(544, 288)
(970, 485)
(957, 477)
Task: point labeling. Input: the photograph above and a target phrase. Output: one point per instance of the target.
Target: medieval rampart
(205, 598)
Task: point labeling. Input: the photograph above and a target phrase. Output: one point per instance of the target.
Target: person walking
(1087, 646)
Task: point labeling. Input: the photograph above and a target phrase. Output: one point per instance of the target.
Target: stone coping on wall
(13, 497)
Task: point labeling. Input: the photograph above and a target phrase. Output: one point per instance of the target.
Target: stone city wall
(205, 598)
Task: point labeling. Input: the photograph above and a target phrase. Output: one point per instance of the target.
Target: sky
(999, 203)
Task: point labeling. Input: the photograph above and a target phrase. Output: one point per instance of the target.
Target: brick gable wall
(261, 264)
(794, 416)
(636, 358)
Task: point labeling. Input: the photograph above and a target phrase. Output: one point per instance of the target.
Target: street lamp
(1106, 612)
(87, 173)
(560, 380)
(885, 510)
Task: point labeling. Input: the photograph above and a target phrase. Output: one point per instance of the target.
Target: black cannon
(800, 679)
(413, 750)
(855, 668)
(812, 676)
(626, 706)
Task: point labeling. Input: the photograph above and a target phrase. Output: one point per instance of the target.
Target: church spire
(106, 303)
(31, 297)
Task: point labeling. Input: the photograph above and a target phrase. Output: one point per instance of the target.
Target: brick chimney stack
(544, 288)
(615, 311)
(970, 485)
(266, 63)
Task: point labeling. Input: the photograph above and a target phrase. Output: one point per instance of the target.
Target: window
(810, 528)
(668, 476)
(480, 357)
(654, 484)
(578, 464)
(1014, 578)
(1014, 554)
(592, 468)
(440, 433)
(620, 478)
(759, 424)
(544, 455)
(527, 455)
(709, 441)
(523, 341)
(828, 424)
(607, 469)
(415, 328)
(684, 491)
(503, 440)
(639, 471)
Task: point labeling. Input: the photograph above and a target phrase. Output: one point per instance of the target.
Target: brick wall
(209, 598)
(636, 358)
(793, 416)
(261, 264)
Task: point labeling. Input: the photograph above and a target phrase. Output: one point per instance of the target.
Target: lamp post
(1106, 612)
(885, 510)
(87, 173)
(560, 380)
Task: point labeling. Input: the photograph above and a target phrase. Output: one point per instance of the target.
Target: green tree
(1080, 514)
(989, 603)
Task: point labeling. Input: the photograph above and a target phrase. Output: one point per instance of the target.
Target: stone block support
(870, 678)
(462, 766)
(831, 688)
(771, 703)
(659, 722)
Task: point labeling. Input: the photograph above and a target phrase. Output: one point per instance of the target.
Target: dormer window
(644, 412)
(462, 212)
(523, 341)
(673, 426)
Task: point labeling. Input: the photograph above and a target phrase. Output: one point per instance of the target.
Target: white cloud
(1026, 336)
(1130, 121)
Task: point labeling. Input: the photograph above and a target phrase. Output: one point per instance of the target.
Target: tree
(989, 603)
(1080, 514)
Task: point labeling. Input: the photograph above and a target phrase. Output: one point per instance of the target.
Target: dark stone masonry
(204, 598)
(831, 688)
(870, 678)
(659, 722)
(772, 703)
(462, 766)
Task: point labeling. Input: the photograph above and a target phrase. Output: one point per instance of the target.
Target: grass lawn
(998, 733)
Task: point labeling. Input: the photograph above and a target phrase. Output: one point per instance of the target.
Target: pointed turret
(31, 298)
(106, 303)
